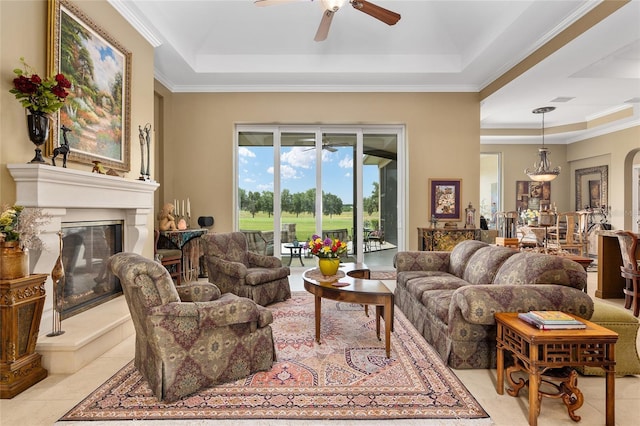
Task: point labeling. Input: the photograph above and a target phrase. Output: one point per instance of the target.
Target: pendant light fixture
(542, 171)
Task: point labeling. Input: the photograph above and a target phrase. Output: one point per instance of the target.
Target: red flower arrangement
(38, 95)
(326, 248)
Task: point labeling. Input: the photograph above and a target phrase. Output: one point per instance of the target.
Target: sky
(298, 171)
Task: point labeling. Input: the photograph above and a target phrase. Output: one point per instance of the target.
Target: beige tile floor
(47, 401)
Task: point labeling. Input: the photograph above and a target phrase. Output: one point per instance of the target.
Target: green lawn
(305, 223)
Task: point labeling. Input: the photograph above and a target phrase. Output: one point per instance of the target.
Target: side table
(538, 351)
(295, 251)
(21, 305)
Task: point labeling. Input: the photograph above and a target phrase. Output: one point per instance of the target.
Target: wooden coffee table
(358, 289)
(536, 351)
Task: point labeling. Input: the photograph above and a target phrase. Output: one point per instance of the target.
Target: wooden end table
(359, 289)
(537, 351)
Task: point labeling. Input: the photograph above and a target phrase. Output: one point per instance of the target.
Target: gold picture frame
(97, 110)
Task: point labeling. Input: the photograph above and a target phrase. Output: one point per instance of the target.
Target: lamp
(542, 171)
(332, 5)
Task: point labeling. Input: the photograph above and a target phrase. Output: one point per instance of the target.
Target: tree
(370, 204)
(331, 204)
(286, 201)
(253, 203)
(310, 201)
(266, 202)
(242, 198)
(298, 203)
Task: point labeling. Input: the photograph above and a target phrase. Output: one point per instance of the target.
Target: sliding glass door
(296, 181)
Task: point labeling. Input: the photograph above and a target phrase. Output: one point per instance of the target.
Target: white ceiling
(443, 46)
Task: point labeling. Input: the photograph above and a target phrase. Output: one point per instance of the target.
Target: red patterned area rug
(346, 377)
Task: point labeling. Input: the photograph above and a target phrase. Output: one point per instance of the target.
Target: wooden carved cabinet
(440, 239)
(21, 304)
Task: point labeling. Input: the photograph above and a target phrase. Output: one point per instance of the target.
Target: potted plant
(328, 252)
(40, 97)
(19, 229)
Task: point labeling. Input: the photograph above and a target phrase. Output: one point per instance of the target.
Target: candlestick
(188, 208)
(177, 209)
(183, 209)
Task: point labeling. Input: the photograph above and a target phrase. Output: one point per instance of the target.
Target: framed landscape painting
(445, 199)
(97, 110)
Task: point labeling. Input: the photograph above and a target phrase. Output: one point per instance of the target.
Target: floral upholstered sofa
(451, 297)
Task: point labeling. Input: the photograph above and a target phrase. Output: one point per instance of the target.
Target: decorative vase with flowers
(19, 229)
(40, 98)
(530, 217)
(328, 252)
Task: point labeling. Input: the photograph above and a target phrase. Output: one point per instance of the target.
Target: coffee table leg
(388, 324)
(379, 313)
(318, 312)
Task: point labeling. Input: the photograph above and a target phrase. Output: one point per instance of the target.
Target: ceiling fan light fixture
(332, 5)
(542, 170)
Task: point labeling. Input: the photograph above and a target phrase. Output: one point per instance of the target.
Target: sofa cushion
(461, 254)
(429, 281)
(417, 261)
(438, 302)
(484, 264)
(537, 268)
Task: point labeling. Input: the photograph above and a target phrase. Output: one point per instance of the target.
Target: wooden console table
(536, 351)
(21, 304)
(441, 239)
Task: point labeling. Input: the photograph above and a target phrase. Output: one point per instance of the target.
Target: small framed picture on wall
(445, 196)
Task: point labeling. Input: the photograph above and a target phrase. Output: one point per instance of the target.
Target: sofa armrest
(422, 261)
(263, 261)
(232, 269)
(479, 303)
(227, 310)
(198, 292)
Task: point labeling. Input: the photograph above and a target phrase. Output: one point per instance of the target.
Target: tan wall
(442, 131)
(23, 33)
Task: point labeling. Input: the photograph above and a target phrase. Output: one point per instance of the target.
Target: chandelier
(542, 171)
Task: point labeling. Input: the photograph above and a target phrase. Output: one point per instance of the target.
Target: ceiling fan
(332, 6)
(326, 144)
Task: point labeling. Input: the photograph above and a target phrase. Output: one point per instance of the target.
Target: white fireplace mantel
(69, 195)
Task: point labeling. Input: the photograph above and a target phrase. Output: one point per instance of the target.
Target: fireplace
(86, 248)
(92, 211)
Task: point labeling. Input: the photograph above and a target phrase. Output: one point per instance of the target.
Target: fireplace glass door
(86, 248)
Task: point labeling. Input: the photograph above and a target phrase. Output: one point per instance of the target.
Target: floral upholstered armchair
(236, 270)
(190, 338)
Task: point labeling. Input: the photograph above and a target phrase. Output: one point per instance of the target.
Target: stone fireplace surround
(69, 195)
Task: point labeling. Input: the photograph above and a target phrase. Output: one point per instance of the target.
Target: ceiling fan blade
(325, 24)
(329, 148)
(380, 13)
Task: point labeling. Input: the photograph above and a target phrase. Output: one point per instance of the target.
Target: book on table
(553, 317)
(536, 322)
